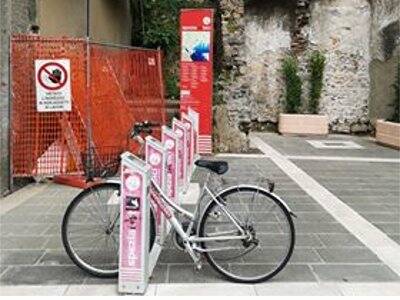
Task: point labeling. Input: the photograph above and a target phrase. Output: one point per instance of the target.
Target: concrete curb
(213, 289)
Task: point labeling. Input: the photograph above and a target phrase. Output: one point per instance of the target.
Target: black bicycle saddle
(219, 167)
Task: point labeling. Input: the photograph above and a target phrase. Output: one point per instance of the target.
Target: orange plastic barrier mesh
(112, 87)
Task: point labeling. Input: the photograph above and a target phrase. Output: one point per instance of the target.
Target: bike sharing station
(169, 164)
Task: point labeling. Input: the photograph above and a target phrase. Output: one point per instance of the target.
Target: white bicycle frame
(161, 200)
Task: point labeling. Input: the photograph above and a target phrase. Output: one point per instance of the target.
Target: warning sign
(53, 85)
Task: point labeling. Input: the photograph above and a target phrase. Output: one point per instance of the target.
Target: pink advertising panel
(194, 116)
(189, 144)
(170, 141)
(134, 225)
(180, 130)
(156, 158)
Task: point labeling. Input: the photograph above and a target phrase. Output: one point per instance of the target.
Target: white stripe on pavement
(345, 158)
(378, 242)
(241, 155)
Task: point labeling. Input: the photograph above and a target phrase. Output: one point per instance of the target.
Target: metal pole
(89, 160)
(87, 18)
(10, 107)
(5, 92)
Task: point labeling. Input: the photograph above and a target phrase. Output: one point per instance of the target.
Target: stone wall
(360, 39)
(232, 114)
(385, 55)
(267, 42)
(341, 30)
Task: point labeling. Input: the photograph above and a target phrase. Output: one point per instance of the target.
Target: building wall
(16, 16)
(110, 20)
(60, 17)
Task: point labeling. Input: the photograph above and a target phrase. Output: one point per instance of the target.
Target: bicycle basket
(104, 162)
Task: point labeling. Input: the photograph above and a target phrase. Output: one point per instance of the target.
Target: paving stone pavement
(376, 197)
(292, 145)
(32, 252)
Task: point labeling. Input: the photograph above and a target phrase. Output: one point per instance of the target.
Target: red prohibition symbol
(59, 81)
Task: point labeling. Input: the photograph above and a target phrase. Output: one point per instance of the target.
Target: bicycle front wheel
(90, 230)
(269, 229)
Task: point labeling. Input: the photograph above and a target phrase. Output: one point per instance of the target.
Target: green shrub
(396, 101)
(316, 69)
(293, 84)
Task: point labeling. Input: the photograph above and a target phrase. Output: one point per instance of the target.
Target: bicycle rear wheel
(90, 230)
(268, 224)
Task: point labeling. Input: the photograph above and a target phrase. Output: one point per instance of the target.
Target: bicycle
(245, 232)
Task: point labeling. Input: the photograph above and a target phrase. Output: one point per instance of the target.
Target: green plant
(396, 101)
(316, 69)
(293, 84)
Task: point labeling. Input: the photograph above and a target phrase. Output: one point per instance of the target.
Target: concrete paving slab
(298, 146)
(347, 255)
(14, 200)
(23, 242)
(174, 256)
(20, 257)
(102, 290)
(94, 290)
(160, 274)
(354, 273)
(22, 229)
(212, 289)
(55, 258)
(3, 269)
(395, 237)
(295, 273)
(298, 289)
(315, 227)
(42, 275)
(31, 290)
(18, 219)
(335, 240)
(186, 273)
(54, 242)
(370, 289)
(389, 228)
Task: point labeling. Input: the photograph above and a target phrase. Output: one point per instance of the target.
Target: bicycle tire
(220, 269)
(81, 263)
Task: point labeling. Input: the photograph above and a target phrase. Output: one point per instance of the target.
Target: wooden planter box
(388, 133)
(303, 124)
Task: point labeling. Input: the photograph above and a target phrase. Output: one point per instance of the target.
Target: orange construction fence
(111, 88)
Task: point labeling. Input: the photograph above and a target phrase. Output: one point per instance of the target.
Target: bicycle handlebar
(142, 127)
